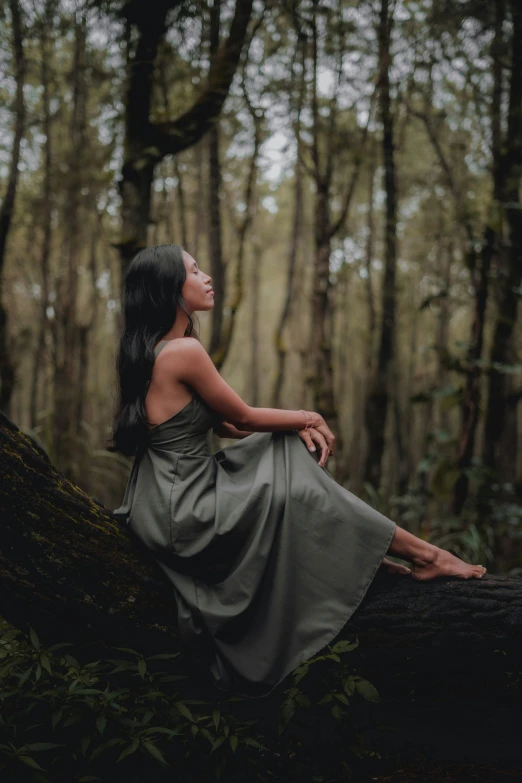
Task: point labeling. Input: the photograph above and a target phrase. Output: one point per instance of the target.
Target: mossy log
(69, 570)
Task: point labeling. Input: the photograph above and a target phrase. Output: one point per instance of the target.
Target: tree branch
(176, 135)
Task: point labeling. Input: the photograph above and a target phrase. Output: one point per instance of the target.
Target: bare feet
(439, 562)
(394, 568)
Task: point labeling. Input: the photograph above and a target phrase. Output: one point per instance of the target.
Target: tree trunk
(480, 267)
(254, 323)
(65, 354)
(297, 219)
(220, 353)
(71, 572)
(146, 142)
(47, 204)
(182, 212)
(377, 403)
(217, 267)
(6, 210)
(199, 221)
(499, 453)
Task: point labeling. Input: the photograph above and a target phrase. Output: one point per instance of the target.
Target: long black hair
(151, 293)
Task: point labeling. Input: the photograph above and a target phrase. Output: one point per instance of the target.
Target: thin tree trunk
(280, 345)
(199, 221)
(360, 446)
(217, 267)
(7, 370)
(220, 354)
(377, 403)
(65, 373)
(481, 271)
(47, 205)
(182, 212)
(254, 324)
(84, 332)
(500, 445)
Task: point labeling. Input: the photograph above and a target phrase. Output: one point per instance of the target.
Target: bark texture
(499, 452)
(382, 381)
(7, 370)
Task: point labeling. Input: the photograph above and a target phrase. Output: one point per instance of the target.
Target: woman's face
(197, 289)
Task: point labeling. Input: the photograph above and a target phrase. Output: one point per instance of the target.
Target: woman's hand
(311, 437)
(319, 424)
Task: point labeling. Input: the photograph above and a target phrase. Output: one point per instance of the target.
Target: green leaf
(128, 750)
(333, 656)
(300, 672)
(206, 733)
(337, 711)
(303, 700)
(127, 649)
(86, 691)
(367, 690)
(219, 741)
(233, 742)
(349, 686)
(342, 698)
(41, 746)
(101, 722)
(344, 646)
(59, 646)
(326, 698)
(285, 713)
(184, 710)
(194, 729)
(162, 656)
(46, 663)
(155, 752)
(142, 667)
(38, 671)
(35, 641)
(30, 762)
(86, 741)
(254, 743)
(25, 676)
(216, 715)
(57, 714)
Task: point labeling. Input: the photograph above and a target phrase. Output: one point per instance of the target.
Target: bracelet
(308, 421)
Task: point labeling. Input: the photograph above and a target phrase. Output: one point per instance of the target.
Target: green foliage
(113, 718)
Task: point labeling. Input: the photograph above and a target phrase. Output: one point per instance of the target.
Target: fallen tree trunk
(70, 571)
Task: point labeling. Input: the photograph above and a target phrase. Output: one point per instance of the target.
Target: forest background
(348, 173)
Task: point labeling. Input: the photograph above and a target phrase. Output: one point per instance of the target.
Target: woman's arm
(193, 366)
(227, 430)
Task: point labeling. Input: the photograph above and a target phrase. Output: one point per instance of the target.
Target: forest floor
(454, 772)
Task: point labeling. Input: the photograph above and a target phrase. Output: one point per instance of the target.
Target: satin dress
(267, 554)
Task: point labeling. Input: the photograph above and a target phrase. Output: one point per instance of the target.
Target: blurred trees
(348, 172)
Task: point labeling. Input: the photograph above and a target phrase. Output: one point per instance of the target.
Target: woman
(269, 556)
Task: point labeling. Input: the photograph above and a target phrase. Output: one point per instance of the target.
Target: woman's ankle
(412, 548)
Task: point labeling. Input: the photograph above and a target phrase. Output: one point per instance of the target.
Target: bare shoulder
(183, 346)
(184, 355)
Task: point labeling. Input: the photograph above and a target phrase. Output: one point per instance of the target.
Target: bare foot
(443, 563)
(394, 568)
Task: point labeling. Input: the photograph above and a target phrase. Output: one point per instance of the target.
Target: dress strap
(159, 346)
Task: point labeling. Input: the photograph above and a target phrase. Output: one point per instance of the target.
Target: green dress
(268, 555)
